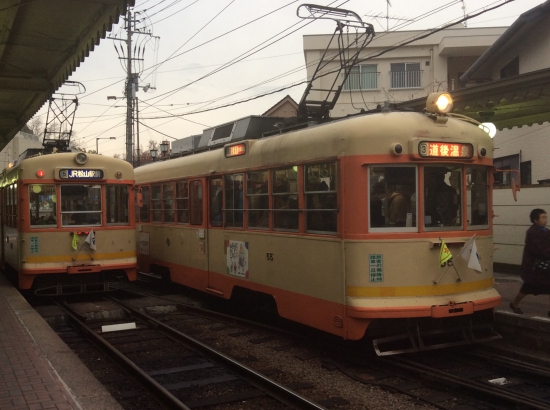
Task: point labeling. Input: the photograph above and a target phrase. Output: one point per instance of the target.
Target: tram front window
(43, 208)
(80, 205)
(442, 193)
(393, 201)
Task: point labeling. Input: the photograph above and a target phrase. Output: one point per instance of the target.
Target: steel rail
(430, 372)
(165, 397)
(270, 387)
(510, 363)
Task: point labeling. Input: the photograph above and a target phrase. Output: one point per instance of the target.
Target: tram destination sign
(434, 149)
(80, 173)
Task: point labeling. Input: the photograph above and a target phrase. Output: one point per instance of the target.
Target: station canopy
(41, 44)
(511, 102)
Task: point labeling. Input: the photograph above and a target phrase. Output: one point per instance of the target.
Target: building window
(508, 163)
(362, 77)
(511, 69)
(406, 75)
(525, 173)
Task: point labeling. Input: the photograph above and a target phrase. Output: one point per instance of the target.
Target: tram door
(225, 205)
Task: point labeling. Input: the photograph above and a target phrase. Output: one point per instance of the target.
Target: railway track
(175, 368)
(489, 377)
(481, 376)
(443, 379)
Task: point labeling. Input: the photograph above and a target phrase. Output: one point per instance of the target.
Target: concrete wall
(511, 221)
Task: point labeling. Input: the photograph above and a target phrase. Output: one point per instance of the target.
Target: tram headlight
(489, 128)
(81, 158)
(439, 103)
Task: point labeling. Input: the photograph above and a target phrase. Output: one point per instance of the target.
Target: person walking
(535, 264)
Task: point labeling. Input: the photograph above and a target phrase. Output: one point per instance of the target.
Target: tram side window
(477, 195)
(285, 199)
(321, 201)
(81, 205)
(216, 202)
(117, 204)
(233, 185)
(11, 208)
(42, 204)
(392, 197)
(257, 193)
(10, 202)
(144, 210)
(442, 193)
(196, 202)
(182, 202)
(156, 203)
(168, 203)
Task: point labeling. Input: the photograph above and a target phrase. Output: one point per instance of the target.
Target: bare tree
(36, 125)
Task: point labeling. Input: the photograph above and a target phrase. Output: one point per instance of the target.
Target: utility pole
(132, 84)
(129, 90)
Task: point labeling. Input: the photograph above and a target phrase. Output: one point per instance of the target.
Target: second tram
(68, 221)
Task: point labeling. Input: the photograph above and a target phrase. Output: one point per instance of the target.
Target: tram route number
(269, 256)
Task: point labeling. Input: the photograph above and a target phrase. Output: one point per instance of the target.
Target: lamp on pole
(97, 144)
(153, 153)
(164, 147)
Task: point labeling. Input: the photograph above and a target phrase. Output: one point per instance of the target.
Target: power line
(387, 50)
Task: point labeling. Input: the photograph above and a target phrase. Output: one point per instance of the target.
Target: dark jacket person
(537, 248)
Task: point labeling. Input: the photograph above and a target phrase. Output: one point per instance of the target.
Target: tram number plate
(269, 256)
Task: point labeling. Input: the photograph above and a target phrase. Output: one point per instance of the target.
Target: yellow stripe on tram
(429, 290)
(82, 257)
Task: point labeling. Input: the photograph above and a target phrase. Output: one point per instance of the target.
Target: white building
(434, 63)
(18, 144)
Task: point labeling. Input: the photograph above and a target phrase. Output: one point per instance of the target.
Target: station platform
(534, 307)
(37, 369)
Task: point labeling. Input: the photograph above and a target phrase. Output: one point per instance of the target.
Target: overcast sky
(183, 25)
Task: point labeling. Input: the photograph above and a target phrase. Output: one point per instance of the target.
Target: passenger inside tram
(441, 199)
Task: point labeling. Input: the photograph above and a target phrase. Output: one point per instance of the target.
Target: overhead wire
(387, 50)
(301, 66)
(372, 56)
(243, 56)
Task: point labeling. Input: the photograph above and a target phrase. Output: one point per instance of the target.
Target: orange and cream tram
(346, 225)
(68, 221)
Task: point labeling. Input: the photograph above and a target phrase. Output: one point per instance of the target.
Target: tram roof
(366, 134)
(41, 44)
